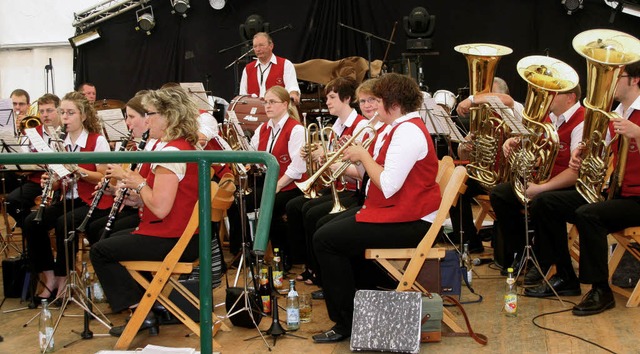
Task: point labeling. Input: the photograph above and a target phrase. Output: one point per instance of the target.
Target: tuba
(486, 129)
(607, 52)
(533, 159)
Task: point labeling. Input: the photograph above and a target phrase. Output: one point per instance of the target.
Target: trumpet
(103, 188)
(117, 202)
(310, 141)
(305, 186)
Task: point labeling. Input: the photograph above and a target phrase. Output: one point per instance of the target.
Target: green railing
(204, 160)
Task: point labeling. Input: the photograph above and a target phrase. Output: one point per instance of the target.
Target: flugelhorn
(311, 134)
(607, 52)
(305, 186)
(533, 159)
(337, 206)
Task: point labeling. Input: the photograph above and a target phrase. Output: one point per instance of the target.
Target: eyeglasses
(271, 102)
(63, 112)
(148, 114)
(20, 104)
(369, 100)
(621, 76)
(48, 110)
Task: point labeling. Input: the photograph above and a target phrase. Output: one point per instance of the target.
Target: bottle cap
(510, 270)
(276, 250)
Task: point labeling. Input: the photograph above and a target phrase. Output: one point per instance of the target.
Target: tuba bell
(486, 129)
(533, 159)
(607, 52)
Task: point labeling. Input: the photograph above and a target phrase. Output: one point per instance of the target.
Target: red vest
(280, 147)
(564, 134)
(276, 76)
(85, 189)
(631, 180)
(419, 195)
(175, 222)
(348, 131)
(218, 169)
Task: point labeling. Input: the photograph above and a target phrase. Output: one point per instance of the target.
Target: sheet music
(197, 94)
(41, 146)
(7, 122)
(113, 124)
(438, 121)
(512, 120)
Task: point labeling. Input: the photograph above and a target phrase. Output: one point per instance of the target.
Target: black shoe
(329, 336)
(563, 286)
(150, 322)
(597, 300)
(317, 295)
(533, 276)
(163, 315)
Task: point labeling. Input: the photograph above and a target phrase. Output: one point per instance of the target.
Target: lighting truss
(104, 11)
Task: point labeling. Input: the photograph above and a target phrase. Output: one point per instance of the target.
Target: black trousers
(37, 234)
(553, 210)
(21, 200)
(126, 219)
(121, 290)
(465, 221)
(343, 239)
(594, 223)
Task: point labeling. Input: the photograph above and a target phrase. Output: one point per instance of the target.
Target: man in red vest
(596, 220)
(566, 114)
(268, 70)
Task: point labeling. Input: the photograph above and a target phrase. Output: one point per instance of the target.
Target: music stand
(113, 124)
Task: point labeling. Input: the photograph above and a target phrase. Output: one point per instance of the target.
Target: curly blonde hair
(180, 112)
(86, 109)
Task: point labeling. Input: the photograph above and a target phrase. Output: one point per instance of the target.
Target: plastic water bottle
(468, 264)
(45, 331)
(293, 307)
(510, 296)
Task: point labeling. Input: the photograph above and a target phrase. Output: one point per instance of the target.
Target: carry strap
(480, 338)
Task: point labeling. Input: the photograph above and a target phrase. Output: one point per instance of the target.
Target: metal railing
(204, 159)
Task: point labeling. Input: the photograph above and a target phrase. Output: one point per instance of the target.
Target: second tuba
(532, 160)
(607, 52)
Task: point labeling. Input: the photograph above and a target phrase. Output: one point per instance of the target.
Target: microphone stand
(48, 72)
(367, 40)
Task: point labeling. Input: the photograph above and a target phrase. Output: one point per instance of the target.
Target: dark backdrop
(187, 49)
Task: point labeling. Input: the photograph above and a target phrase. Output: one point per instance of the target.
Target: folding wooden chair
(166, 273)
(452, 184)
(625, 238)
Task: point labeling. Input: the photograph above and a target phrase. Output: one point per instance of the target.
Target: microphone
(481, 261)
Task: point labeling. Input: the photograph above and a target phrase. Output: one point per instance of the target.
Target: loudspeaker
(13, 273)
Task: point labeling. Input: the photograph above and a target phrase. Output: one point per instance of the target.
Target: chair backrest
(445, 169)
(454, 186)
(222, 196)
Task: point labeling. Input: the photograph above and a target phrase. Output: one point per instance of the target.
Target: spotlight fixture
(84, 37)
(217, 4)
(145, 19)
(252, 25)
(419, 27)
(180, 7)
(572, 5)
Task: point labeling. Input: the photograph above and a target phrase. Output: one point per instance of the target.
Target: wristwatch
(140, 186)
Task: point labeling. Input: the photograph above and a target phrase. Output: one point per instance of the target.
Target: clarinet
(117, 202)
(47, 191)
(105, 185)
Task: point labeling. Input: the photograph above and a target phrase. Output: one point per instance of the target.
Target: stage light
(145, 19)
(85, 37)
(217, 4)
(180, 7)
(419, 26)
(572, 5)
(252, 25)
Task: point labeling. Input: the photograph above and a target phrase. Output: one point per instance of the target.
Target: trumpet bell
(29, 122)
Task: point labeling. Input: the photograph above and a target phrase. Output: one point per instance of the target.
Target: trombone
(331, 177)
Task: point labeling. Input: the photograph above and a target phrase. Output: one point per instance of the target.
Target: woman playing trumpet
(392, 215)
(83, 134)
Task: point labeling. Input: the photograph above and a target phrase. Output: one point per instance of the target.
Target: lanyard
(263, 71)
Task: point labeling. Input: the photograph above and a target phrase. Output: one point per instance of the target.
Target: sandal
(307, 274)
(313, 280)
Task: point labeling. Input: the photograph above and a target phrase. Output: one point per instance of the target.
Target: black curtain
(188, 49)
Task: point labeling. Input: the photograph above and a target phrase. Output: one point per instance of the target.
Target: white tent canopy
(31, 32)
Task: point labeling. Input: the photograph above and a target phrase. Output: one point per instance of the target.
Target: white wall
(31, 32)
